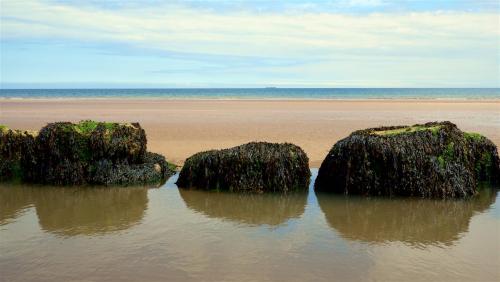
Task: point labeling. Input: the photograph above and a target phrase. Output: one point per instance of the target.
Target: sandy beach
(180, 128)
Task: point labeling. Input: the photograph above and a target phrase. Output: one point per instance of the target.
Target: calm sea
(261, 93)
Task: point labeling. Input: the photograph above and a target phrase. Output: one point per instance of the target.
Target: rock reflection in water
(252, 209)
(71, 211)
(14, 200)
(412, 221)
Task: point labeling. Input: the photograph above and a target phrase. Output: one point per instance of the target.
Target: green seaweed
(171, 166)
(3, 128)
(253, 167)
(484, 164)
(447, 155)
(408, 129)
(442, 162)
(88, 126)
(83, 150)
(86, 152)
(473, 136)
(83, 130)
(449, 151)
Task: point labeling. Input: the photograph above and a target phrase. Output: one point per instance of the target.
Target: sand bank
(179, 128)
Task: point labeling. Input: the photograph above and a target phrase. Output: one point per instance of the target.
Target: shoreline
(448, 100)
(178, 128)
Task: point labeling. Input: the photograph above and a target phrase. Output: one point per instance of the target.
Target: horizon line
(244, 87)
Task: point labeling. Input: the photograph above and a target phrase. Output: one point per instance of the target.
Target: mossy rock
(118, 142)
(252, 167)
(16, 147)
(155, 170)
(434, 160)
(90, 152)
(89, 140)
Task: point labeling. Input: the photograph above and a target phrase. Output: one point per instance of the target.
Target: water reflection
(412, 221)
(71, 211)
(13, 202)
(252, 209)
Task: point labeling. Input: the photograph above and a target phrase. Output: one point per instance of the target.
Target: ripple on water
(55, 233)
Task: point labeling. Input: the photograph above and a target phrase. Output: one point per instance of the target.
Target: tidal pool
(140, 234)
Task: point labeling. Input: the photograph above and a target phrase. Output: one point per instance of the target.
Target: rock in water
(424, 160)
(253, 167)
(154, 169)
(92, 152)
(16, 147)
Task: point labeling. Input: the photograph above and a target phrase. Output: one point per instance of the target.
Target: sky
(351, 43)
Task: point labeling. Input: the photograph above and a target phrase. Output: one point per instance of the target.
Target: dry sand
(179, 128)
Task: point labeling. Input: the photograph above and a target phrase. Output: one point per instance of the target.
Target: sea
(271, 93)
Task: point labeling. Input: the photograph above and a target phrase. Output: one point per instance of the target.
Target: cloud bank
(286, 48)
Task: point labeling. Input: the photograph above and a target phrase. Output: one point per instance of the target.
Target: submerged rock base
(89, 152)
(16, 146)
(424, 160)
(253, 167)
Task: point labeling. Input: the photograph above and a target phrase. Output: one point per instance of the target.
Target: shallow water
(133, 234)
(260, 93)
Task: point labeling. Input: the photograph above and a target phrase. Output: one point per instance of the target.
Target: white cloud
(311, 36)
(184, 30)
(365, 3)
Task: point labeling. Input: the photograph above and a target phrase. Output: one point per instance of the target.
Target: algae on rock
(90, 152)
(424, 160)
(15, 149)
(252, 167)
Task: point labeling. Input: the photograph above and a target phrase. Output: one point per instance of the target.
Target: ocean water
(171, 234)
(261, 93)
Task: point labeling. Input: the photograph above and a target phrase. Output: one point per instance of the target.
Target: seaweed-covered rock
(252, 167)
(484, 155)
(155, 169)
(424, 160)
(92, 152)
(16, 147)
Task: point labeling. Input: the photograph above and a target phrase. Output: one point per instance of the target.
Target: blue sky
(354, 43)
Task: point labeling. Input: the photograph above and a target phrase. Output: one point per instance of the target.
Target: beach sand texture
(180, 128)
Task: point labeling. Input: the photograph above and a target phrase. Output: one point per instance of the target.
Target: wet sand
(180, 128)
